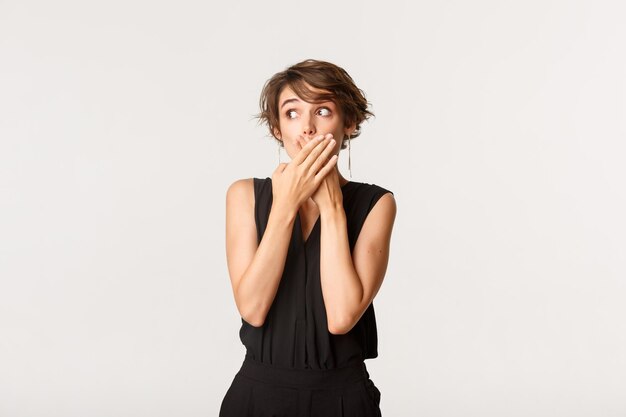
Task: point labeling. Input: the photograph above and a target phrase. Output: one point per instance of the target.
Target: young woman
(307, 252)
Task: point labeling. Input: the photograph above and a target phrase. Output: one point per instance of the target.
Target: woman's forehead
(288, 93)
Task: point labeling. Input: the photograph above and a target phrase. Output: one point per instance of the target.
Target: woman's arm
(351, 281)
(255, 269)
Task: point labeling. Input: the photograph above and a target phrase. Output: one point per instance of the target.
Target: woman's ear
(277, 133)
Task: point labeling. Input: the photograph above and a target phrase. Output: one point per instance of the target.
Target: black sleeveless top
(295, 332)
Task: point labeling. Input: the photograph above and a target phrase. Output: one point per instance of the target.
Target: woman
(307, 252)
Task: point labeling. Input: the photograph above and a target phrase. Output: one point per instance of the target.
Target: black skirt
(262, 390)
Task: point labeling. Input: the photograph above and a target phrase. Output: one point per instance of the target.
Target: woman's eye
(323, 109)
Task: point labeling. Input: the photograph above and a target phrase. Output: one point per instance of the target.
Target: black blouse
(295, 332)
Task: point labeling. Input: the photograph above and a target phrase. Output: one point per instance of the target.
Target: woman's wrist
(283, 213)
(334, 212)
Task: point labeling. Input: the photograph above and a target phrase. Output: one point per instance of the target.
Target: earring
(349, 165)
(279, 146)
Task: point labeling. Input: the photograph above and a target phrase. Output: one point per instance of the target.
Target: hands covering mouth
(301, 140)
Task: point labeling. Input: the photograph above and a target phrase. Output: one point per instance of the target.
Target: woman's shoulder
(365, 195)
(241, 191)
(250, 190)
(241, 185)
(370, 188)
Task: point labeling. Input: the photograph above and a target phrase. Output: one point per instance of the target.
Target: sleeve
(367, 201)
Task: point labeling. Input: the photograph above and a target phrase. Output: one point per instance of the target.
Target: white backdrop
(499, 126)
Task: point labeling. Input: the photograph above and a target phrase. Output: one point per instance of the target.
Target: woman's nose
(308, 127)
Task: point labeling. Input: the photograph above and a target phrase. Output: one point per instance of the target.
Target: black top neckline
(316, 225)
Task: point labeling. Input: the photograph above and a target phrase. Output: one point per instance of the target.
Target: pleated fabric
(261, 390)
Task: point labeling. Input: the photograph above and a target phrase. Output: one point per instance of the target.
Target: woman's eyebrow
(289, 100)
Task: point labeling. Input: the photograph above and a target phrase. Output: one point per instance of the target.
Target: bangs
(299, 86)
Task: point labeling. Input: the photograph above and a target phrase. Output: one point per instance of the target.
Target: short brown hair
(321, 75)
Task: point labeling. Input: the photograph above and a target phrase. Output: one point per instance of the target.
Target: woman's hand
(294, 182)
(328, 194)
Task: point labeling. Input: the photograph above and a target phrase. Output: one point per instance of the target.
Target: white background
(499, 126)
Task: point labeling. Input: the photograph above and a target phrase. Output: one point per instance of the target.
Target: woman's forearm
(259, 284)
(341, 287)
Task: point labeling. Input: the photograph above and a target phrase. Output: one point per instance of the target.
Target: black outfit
(293, 365)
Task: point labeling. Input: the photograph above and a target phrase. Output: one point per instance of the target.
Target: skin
(308, 185)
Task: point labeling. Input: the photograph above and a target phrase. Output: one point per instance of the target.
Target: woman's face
(301, 119)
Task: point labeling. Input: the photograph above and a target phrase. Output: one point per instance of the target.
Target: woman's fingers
(323, 157)
(330, 164)
(301, 142)
(314, 153)
(306, 149)
(314, 160)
